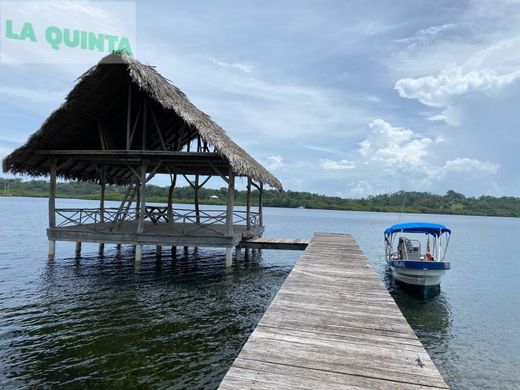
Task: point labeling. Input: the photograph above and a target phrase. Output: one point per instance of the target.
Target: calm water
(101, 322)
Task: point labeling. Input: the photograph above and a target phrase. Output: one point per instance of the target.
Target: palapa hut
(123, 123)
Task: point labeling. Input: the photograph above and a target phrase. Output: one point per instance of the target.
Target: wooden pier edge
(333, 325)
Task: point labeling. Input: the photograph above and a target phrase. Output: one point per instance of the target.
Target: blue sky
(347, 98)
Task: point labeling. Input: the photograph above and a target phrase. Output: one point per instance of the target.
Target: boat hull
(418, 273)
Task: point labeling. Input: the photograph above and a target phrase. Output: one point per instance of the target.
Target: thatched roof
(100, 100)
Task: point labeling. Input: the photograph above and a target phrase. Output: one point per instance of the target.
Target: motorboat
(415, 252)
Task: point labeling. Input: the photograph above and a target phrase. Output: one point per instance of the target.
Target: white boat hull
(418, 277)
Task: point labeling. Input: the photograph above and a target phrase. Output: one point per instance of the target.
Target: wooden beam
(102, 140)
(154, 171)
(134, 128)
(142, 198)
(173, 180)
(52, 195)
(145, 123)
(261, 204)
(102, 197)
(197, 206)
(248, 204)
(157, 127)
(230, 203)
(128, 116)
(218, 172)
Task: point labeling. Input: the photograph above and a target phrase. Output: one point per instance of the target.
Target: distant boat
(409, 263)
(301, 207)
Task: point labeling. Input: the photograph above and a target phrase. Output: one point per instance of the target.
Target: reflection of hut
(123, 123)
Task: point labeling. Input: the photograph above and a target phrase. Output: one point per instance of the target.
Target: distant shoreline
(406, 202)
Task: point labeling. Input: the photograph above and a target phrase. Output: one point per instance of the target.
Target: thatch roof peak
(102, 93)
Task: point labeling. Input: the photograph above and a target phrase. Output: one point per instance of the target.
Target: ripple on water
(103, 322)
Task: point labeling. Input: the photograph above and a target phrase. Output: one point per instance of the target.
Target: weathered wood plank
(333, 325)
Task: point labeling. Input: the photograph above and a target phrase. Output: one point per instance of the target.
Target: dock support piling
(77, 251)
(52, 248)
(174, 252)
(237, 254)
(158, 251)
(138, 253)
(229, 257)
(52, 206)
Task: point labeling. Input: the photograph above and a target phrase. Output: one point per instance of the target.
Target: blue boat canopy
(418, 227)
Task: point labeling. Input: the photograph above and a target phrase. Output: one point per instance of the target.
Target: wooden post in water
(158, 251)
(142, 211)
(229, 214)
(77, 251)
(229, 257)
(52, 206)
(173, 181)
(230, 203)
(102, 206)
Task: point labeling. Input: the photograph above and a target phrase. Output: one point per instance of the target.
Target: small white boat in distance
(412, 265)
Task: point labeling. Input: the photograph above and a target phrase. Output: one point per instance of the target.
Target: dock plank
(333, 325)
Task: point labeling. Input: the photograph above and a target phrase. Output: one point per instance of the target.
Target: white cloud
(469, 165)
(426, 35)
(434, 90)
(241, 66)
(274, 163)
(396, 147)
(493, 67)
(337, 165)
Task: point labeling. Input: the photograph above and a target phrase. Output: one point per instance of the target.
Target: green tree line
(408, 202)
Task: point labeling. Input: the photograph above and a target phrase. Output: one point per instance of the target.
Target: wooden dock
(333, 325)
(275, 243)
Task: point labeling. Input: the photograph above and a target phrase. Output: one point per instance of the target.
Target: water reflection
(100, 321)
(430, 316)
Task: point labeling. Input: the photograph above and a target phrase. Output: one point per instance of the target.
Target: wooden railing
(204, 219)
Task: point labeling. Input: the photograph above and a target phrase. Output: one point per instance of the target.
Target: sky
(344, 98)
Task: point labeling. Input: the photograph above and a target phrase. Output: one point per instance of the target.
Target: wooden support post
(230, 203)
(78, 249)
(173, 179)
(197, 206)
(52, 205)
(174, 252)
(102, 205)
(261, 204)
(158, 251)
(237, 254)
(248, 204)
(229, 257)
(142, 198)
(142, 210)
(128, 117)
(137, 203)
(145, 122)
(138, 253)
